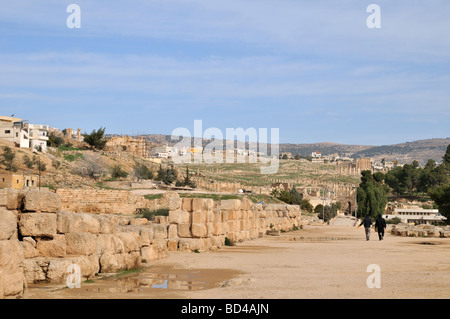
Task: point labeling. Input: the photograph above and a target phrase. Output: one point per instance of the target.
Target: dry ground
(316, 262)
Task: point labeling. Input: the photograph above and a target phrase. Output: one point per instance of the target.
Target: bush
(150, 214)
(394, 221)
(118, 172)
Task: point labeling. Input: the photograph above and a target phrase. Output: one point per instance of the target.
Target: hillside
(420, 150)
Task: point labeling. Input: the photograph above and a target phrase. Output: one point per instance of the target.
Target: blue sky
(313, 69)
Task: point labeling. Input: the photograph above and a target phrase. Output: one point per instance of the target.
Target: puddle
(428, 243)
(317, 239)
(154, 279)
(147, 283)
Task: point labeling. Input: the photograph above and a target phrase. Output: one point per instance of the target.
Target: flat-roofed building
(18, 181)
(417, 216)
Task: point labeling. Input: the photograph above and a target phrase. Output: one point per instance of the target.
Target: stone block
(159, 231)
(14, 198)
(8, 225)
(29, 247)
(131, 241)
(42, 201)
(198, 217)
(230, 204)
(179, 217)
(52, 248)
(184, 230)
(172, 244)
(173, 231)
(198, 230)
(59, 271)
(39, 225)
(11, 282)
(81, 243)
(186, 204)
(198, 204)
(174, 203)
(11, 255)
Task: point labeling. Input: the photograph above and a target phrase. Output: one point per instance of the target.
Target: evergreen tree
(372, 195)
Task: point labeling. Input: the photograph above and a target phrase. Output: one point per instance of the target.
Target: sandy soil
(315, 262)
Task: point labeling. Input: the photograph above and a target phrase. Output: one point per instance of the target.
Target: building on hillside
(417, 216)
(316, 154)
(22, 134)
(18, 181)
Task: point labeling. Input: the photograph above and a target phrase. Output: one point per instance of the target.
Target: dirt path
(316, 262)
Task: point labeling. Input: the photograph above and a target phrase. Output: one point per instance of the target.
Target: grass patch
(153, 196)
(151, 214)
(73, 157)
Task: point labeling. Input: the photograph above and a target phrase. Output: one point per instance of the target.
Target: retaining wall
(39, 240)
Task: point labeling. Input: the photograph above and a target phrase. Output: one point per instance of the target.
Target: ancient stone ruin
(39, 240)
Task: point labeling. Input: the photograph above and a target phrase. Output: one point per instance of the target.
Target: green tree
(96, 139)
(441, 196)
(8, 157)
(372, 195)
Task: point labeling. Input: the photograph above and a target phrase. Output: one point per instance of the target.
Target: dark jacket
(367, 221)
(380, 223)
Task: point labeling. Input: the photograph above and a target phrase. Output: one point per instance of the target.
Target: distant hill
(421, 150)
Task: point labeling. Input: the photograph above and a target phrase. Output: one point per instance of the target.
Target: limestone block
(210, 216)
(225, 215)
(186, 204)
(81, 243)
(52, 248)
(198, 230)
(159, 231)
(184, 230)
(78, 222)
(8, 225)
(230, 204)
(172, 244)
(3, 198)
(42, 201)
(40, 225)
(174, 203)
(11, 255)
(11, 282)
(138, 221)
(198, 204)
(198, 217)
(131, 241)
(35, 269)
(149, 253)
(29, 247)
(58, 268)
(173, 231)
(179, 217)
(108, 223)
(14, 198)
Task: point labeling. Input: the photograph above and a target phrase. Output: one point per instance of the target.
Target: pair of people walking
(380, 226)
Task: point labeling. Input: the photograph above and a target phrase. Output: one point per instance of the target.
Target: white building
(22, 134)
(417, 216)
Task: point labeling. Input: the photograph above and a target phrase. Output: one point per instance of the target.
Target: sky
(312, 69)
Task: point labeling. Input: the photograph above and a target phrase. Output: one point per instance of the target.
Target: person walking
(367, 222)
(380, 226)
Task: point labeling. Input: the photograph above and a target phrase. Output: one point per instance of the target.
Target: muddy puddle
(317, 239)
(150, 282)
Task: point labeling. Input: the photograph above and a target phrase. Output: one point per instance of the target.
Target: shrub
(118, 172)
(150, 214)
